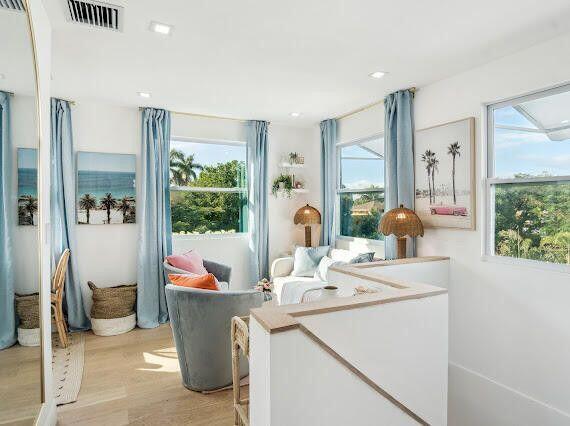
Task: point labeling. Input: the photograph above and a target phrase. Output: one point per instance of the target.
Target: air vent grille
(12, 4)
(95, 14)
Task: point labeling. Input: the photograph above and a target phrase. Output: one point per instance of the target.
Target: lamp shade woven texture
(401, 222)
(307, 215)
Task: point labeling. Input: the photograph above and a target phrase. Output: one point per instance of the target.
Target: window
(528, 177)
(361, 188)
(208, 192)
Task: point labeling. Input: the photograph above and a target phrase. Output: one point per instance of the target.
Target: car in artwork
(448, 210)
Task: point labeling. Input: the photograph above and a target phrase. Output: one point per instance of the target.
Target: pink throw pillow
(191, 262)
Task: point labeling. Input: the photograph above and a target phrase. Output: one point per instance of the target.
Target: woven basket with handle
(28, 310)
(113, 302)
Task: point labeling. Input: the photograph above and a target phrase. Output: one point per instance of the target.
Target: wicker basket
(28, 310)
(113, 302)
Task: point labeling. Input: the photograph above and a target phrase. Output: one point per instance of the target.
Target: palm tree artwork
(28, 205)
(454, 150)
(428, 157)
(183, 168)
(108, 202)
(87, 202)
(434, 162)
(125, 206)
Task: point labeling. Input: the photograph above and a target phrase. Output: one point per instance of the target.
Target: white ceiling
(265, 59)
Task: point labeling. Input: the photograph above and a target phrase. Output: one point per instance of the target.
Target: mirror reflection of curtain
(7, 314)
(63, 210)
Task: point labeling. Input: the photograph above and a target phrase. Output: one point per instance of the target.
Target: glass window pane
(208, 212)
(207, 165)
(360, 214)
(532, 221)
(532, 138)
(362, 165)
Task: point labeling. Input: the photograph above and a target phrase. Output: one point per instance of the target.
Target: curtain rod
(66, 100)
(366, 107)
(193, 114)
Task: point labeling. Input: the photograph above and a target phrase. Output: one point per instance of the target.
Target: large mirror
(20, 350)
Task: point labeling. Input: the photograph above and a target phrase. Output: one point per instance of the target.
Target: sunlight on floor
(162, 360)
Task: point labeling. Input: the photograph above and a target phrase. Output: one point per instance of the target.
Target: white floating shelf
(292, 166)
(301, 191)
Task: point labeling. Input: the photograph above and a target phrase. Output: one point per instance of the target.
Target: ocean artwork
(27, 186)
(106, 189)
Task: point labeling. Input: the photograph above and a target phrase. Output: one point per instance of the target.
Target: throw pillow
(363, 258)
(190, 261)
(307, 259)
(205, 282)
(323, 269)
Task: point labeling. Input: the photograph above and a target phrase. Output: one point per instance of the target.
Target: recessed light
(295, 114)
(377, 74)
(144, 95)
(159, 28)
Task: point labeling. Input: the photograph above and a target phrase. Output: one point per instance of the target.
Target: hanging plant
(282, 183)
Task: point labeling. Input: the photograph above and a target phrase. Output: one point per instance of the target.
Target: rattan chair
(58, 284)
(240, 340)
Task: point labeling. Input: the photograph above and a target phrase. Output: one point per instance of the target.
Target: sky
(361, 173)
(210, 154)
(106, 162)
(526, 152)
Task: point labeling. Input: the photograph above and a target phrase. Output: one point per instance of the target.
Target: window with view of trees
(208, 187)
(361, 188)
(528, 177)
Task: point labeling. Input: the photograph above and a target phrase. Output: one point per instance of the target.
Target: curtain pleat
(62, 206)
(155, 240)
(399, 159)
(328, 180)
(7, 313)
(257, 140)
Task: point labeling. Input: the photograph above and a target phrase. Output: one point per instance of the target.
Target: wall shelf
(287, 165)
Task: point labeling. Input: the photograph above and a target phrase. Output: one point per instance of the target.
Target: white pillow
(323, 269)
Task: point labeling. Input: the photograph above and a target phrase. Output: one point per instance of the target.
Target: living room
(177, 167)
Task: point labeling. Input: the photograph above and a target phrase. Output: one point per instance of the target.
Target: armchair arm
(282, 267)
(220, 271)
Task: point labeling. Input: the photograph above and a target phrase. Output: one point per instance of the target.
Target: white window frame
(340, 190)
(213, 235)
(489, 180)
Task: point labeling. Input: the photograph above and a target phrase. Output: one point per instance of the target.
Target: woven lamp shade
(307, 216)
(401, 222)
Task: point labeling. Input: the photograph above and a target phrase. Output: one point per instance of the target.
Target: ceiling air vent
(12, 4)
(95, 14)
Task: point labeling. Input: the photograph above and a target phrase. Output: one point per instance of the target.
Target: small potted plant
(282, 183)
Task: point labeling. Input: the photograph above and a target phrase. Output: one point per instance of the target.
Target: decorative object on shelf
(299, 185)
(294, 158)
(364, 290)
(307, 216)
(401, 222)
(282, 183)
(445, 175)
(113, 310)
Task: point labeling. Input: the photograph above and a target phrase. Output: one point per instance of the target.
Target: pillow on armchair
(190, 262)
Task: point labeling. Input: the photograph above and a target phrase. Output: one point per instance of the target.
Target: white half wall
(509, 324)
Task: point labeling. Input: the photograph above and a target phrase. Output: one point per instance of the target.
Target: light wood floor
(134, 378)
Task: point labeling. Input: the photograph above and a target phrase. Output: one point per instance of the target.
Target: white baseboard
(477, 400)
(48, 415)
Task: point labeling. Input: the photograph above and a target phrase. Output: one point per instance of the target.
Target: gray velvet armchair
(200, 321)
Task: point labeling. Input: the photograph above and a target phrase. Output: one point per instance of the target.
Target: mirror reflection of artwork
(445, 175)
(106, 191)
(27, 186)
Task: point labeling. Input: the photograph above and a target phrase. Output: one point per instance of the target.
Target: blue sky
(362, 173)
(526, 152)
(210, 154)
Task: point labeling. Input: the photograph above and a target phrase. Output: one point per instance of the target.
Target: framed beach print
(444, 167)
(27, 159)
(106, 190)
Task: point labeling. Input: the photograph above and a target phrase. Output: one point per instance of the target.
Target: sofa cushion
(280, 282)
(307, 259)
(190, 262)
(323, 268)
(348, 256)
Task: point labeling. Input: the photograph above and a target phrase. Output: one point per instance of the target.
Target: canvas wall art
(27, 159)
(106, 190)
(445, 175)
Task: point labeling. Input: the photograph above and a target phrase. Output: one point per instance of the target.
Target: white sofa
(282, 267)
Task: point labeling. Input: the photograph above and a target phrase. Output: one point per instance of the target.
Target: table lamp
(401, 222)
(307, 216)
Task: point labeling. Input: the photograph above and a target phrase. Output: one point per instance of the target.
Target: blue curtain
(399, 158)
(7, 314)
(155, 240)
(328, 180)
(62, 206)
(258, 192)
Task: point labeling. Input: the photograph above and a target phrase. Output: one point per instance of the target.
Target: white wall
(24, 238)
(509, 324)
(107, 254)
